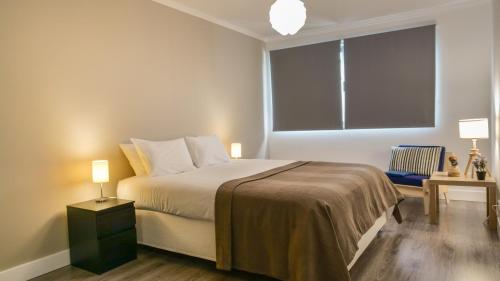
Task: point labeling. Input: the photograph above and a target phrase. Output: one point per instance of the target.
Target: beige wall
(78, 77)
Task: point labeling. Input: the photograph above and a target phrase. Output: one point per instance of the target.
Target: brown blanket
(299, 222)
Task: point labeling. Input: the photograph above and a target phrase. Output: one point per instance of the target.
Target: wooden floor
(460, 248)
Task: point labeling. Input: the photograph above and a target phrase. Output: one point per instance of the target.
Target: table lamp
(473, 129)
(236, 150)
(100, 175)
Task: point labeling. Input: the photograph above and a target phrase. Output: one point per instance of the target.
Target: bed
(178, 212)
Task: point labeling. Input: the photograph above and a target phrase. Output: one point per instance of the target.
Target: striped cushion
(418, 160)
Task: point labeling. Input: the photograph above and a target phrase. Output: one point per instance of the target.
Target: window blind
(390, 79)
(306, 88)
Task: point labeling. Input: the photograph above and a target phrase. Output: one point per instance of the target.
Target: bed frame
(196, 238)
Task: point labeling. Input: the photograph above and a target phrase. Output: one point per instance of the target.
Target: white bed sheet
(190, 194)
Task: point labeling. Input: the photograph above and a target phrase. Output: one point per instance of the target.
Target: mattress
(190, 194)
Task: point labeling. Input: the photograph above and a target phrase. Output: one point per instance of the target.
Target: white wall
(463, 91)
(496, 87)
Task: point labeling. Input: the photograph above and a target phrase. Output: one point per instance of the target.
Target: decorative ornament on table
(480, 166)
(454, 169)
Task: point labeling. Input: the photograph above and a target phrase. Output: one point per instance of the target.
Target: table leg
(437, 198)
(433, 216)
(492, 200)
(488, 202)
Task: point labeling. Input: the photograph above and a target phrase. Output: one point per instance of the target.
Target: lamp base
(473, 154)
(101, 200)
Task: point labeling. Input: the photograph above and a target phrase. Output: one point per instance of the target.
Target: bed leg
(397, 214)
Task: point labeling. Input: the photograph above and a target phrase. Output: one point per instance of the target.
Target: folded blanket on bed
(300, 222)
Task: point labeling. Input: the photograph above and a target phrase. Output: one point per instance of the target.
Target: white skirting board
(472, 194)
(36, 268)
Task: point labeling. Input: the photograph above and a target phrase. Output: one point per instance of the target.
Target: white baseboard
(36, 268)
(466, 194)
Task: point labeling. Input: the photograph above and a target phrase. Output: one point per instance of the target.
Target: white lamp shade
(474, 128)
(288, 16)
(236, 150)
(100, 171)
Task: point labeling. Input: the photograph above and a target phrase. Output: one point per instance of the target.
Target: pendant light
(287, 16)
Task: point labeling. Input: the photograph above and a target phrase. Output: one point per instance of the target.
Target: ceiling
(252, 16)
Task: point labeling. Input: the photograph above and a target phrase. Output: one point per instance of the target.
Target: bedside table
(442, 178)
(102, 236)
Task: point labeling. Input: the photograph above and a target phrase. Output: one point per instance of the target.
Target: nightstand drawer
(117, 249)
(115, 221)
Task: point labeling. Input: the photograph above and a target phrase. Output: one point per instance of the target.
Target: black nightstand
(102, 235)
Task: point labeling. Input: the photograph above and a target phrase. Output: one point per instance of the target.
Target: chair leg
(446, 199)
(426, 196)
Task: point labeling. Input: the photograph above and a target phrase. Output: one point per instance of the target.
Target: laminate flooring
(460, 248)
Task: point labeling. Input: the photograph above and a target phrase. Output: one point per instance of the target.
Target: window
(384, 80)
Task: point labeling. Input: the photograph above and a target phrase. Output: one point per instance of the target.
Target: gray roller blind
(390, 79)
(306, 88)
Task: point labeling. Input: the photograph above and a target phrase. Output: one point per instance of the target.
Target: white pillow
(133, 158)
(164, 157)
(206, 151)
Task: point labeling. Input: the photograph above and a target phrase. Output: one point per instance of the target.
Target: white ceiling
(252, 16)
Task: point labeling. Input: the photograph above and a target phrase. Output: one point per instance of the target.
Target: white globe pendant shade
(288, 16)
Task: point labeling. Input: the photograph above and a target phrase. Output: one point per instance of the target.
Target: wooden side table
(440, 178)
